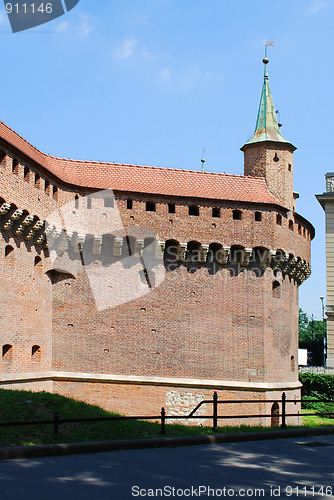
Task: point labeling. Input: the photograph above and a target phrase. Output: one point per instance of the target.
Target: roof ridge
(95, 162)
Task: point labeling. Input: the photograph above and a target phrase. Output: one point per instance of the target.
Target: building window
(89, 203)
(216, 212)
(108, 202)
(7, 352)
(55, 193)
(15, 166)
(171, 208)
(76, 202)
(276, 287)
(26, 174)
(37, 180)
(36, 353)
(38, 261)
(46, 187)
(299, 229)
(2, 158)
(129, 204)
(293, 365)
(279, 219)
(8, 250)
(150, 207)
(193, 210)
(290, 225)
(258, 216)
(237, 215)
(290, 167)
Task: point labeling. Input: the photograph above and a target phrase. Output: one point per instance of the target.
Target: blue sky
(154, 82)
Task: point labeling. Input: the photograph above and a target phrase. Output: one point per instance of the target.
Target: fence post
(56, 422)
(283, 426)
(215, 411)
(163, 420)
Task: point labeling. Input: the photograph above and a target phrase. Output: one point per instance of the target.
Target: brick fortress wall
(229, 315)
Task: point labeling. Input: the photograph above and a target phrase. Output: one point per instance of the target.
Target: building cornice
(55, 376)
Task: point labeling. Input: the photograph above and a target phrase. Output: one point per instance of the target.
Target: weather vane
(268, 44)
(203, 160)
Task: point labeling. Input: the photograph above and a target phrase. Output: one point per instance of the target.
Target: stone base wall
(147, 399)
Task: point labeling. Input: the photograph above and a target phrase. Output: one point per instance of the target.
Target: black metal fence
(163, 417)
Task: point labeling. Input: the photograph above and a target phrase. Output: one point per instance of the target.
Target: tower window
(293, 366)
(299, 229)
(289, 167)
(150, 207)
(193, 210)
(279, 219)
(89, 203)
(171, 208)
(237, 215)
(258, 216)
(216, 212)
(76, 202)
(290, 225)
(129, 204)
(46, 187)
(55, 193)
(108, 202)
(37, 180)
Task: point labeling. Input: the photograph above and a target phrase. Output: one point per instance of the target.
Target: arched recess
(193, 251)
(214, 258)
(129, 246)
(236, 254)
(7, 353)
(260, 260)
(56, 276)
(171, 254)
(275, 415)
(107, 249)
(36, 353)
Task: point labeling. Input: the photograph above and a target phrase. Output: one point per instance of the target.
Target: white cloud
(127, 48)
(83, 27)
(165, 74)
(63, 26)
(3, 18)
(86, 25)
(316, 5)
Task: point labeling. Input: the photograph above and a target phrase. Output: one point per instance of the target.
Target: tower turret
(267, 153)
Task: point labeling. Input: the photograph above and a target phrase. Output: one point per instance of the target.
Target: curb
(62, 449)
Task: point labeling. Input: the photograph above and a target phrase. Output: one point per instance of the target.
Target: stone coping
(12, 378)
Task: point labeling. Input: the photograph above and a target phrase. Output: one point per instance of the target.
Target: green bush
(317, 386)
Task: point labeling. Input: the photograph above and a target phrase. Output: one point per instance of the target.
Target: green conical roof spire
(267, 128)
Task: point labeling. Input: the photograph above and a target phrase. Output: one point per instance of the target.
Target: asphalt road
(284, 468)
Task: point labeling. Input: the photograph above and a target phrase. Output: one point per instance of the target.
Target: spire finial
(267, 128)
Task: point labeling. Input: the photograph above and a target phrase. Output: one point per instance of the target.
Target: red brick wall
(223, 325)
(259, 161)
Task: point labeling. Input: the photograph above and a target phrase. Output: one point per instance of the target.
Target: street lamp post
(324, 331)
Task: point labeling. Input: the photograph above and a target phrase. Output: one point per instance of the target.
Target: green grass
(17, 406)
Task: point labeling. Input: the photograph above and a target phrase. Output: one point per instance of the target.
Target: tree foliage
(311, 337)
